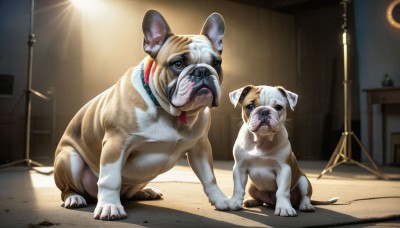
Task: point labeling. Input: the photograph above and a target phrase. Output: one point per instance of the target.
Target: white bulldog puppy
(140, 127)
(262, 151)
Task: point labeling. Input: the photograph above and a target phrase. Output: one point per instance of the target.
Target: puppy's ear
(238, 95)
(214, 29)
(156, 31)
(290, 96)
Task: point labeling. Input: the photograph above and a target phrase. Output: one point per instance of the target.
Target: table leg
(370, 123)
(383, 109)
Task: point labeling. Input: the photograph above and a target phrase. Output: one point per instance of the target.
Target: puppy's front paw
(285, 211)
(234, 204)
(109, 211)
(74, 201)
(306, 206)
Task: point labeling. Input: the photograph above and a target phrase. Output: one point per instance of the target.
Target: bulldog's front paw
(225, 204)
(74, 201)
(221, 205)
(109, 211)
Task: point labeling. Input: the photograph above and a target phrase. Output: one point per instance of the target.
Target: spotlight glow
(87, 5)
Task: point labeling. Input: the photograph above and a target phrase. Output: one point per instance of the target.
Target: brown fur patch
(63, 179)
(125, 99)
(174, 46)
(252, 96)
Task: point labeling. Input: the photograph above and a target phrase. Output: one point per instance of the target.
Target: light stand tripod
(27, 161)
(342, 153)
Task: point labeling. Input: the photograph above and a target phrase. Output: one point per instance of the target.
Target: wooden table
(383, 96)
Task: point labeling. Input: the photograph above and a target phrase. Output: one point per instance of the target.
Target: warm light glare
(87, 5)
(390, 11)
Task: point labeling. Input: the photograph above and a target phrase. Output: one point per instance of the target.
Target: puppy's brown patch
(251, 96)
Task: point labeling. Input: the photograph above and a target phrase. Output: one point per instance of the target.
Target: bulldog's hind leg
(305, 188)
(148, 193)
(259, 198)
(73, 178)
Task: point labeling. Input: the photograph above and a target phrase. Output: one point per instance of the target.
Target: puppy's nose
(201, 72)
(264, 113)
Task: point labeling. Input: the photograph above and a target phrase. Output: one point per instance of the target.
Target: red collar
(149, 66)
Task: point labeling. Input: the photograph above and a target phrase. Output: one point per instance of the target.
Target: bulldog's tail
(328, 202)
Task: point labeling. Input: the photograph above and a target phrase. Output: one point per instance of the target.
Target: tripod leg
(14, 163)
(365, 151)
(342, 148)
(334, 158)
(36, 165)
(31, 162)
(376, 171)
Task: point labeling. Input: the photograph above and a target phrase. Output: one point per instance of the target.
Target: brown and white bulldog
(262, 151)
(140, 127)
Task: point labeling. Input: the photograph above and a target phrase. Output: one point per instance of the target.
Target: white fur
(140, 141)
(263, 158)
(109, 204)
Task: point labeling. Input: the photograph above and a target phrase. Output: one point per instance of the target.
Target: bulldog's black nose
(201, 72)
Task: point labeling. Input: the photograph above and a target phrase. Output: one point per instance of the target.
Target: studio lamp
(343, 151)
(29, 91)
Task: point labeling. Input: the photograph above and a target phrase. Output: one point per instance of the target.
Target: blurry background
(294, 43)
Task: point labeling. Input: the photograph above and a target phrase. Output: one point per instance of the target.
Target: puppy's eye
(177, 65)
(278, 107)
(217, 65)
(250, 107)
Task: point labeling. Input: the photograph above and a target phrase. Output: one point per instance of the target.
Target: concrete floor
(29, 199)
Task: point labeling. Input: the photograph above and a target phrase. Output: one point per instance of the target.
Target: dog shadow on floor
(146, 214)
(153, 215)
(322, 217)
(32, 200)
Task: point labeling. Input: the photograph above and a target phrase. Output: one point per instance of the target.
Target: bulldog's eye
(177, 65)
(278, 107)
(250, 107)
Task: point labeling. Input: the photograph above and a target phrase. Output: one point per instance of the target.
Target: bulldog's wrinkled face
(191, 74)
(263, 107)
(188, 73)
(263, 110)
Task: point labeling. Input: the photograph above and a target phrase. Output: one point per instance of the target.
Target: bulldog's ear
(290, 96)
(238, 95)
(156, 31)
(214, 29)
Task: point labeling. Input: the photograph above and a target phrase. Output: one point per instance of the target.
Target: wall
(378, 53)
(318, 119)
(78, 55)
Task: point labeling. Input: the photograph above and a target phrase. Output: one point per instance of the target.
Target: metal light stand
(342, 152)
(27, 161)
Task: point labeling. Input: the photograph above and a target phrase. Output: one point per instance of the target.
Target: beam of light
(88, 5)
(39, 180)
